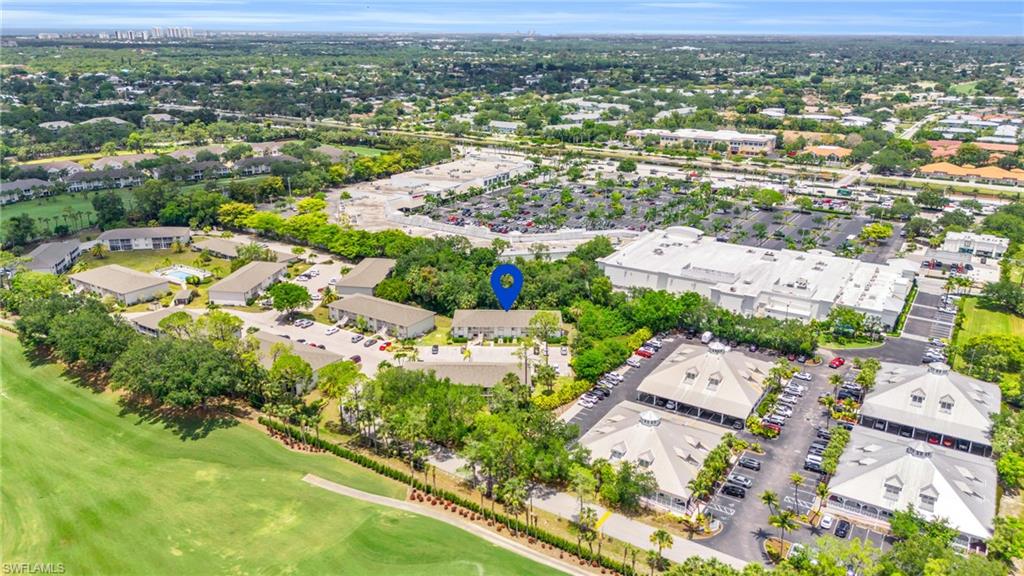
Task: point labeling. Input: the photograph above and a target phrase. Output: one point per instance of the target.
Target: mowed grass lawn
(979, 320)
(105, 493)
(54, 207)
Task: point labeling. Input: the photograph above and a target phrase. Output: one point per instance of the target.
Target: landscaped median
(464, 507)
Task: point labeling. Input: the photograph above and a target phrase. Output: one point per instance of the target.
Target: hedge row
(568, 392)
(385, 470)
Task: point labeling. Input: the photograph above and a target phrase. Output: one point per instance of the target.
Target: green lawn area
(439, 336)
(978, 320)
(54, 207)
(363, 150)
(964, 88)
(105, 491)
(851, 345)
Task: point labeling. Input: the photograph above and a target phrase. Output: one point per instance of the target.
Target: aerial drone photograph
(512, 287)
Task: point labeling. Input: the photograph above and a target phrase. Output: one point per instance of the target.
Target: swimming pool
(180, 274)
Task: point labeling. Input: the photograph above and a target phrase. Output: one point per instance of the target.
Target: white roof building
(712, 383)
(736, 142)
(879, 474)
(934, 404)
(476, 170)
(978, 244)
(785, 284)
(671, 447)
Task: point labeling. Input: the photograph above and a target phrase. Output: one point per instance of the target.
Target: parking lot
(786, 227)
(745, 520)
(926, 319)
(587, 418)
(636, 205)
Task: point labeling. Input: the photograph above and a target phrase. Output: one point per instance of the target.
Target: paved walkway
(470, 527)
(613, 524)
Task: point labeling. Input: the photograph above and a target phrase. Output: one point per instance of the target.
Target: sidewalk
(470, 527)
(613, 524)
(628, 530)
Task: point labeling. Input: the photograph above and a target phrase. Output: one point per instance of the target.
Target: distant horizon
(827, 18)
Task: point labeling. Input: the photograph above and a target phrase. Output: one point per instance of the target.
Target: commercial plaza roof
(973, 401)
(118, 279)
(248, 277)
(887, 472)
(685, 257)
(672, 447)
(496, 318)
(713, 378)
(380, 309)
(368, 273)
(483, 374)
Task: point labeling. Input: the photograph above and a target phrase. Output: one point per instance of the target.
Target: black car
(434, 349)
(842, 529)
(602, 391)
(750, 463)
(734, 491)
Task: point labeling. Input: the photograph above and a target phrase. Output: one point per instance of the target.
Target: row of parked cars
(787, 401)
(604, 386)
(936, 352)
(601, 390)
(736, 484)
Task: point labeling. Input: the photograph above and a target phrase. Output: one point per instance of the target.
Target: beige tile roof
(117, 278)
(248, 277)
(368, 273)
(380, 309)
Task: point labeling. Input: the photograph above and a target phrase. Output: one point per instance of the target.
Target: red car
(384, 346)
(836, 362)
(770, 426)
(643, 353)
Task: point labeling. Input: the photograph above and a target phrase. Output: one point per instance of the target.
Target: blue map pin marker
(507, 296)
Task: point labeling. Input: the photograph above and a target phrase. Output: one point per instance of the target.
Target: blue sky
(834, 17)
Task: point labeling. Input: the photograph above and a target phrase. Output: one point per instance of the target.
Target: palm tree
(467, 354)
(662, 539)
(98, 250)
(835, 380)
(796, 480)
(631, 551)
(822, 492)
(587, 526)
(328, 296)
(514, 497)
(771, 500)
(653, 560)
(785, 521)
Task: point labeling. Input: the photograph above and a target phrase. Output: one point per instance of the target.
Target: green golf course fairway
(105, 493)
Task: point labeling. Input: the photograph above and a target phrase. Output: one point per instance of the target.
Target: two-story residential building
(154, 238)
(54, 257)
(492, 324)
(379, 315)
(243, 285)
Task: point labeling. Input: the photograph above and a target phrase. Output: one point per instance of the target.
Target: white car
(788, 399)
(586, 403)
(827, 522)
(783, 410)
(633, 362)
(670, 405)
(803, 376)
(332, 330)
